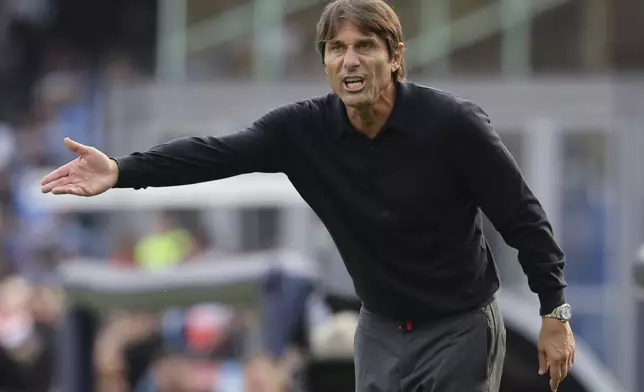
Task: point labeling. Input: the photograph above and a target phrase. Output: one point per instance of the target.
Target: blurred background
(235, 285)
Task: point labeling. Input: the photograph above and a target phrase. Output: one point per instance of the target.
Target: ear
(396, 59)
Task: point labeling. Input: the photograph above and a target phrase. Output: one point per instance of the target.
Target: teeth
(353, 85)
(353, 80)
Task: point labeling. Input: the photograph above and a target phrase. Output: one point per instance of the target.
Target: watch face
(566, 312)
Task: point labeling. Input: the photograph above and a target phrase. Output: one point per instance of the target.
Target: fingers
(69, 190)
(571, 357)
(554, 385)
(555, 375)
(76, 147)
(558, 372)
(543, 363)
(60, 182)
(564, 368)
(51, 180)
(55, 175)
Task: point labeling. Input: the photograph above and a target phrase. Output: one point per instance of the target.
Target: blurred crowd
(29, 315)
(51, 87)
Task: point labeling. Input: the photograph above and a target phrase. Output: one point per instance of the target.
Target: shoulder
(440, 115)
(298, 117)
(310, 108)
(450, 104)
(462, 117)
(457, 119)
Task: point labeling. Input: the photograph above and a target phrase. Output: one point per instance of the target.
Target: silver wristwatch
(562, 313)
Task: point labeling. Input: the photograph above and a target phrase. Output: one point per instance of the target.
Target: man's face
(357, 65)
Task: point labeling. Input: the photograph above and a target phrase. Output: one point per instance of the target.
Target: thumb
(76, 147)
(543, 362)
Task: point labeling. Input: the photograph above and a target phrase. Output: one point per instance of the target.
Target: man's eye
(336, 47)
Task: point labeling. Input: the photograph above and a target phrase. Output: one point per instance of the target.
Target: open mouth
(353, 83)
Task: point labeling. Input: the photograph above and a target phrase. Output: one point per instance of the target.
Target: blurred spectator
(120, 332)
(304, 318)
(118, 68)
(28, 321)
(23, 32)
(170, 243)
(64, 99)
(180, 350)
(122, 254)
(167, 246)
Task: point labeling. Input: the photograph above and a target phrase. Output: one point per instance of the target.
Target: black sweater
(403, 208)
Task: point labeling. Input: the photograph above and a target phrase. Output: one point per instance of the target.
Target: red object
(206, 327)
(408, 326)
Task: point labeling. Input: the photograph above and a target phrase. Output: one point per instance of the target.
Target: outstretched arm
(261, 147)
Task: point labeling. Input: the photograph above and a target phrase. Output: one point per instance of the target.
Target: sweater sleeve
(498, 187)
(261, 147)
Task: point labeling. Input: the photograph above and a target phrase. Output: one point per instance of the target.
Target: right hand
(91, 174)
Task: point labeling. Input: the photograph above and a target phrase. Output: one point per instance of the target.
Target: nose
(351, 60)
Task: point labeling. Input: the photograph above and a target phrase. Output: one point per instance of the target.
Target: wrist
(561, 314)
(550, 300)
(551, 326)
(114, 170)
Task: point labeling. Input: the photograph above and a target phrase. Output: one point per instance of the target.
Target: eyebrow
(358, 41)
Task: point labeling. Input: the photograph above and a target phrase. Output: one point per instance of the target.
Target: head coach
(399, 174)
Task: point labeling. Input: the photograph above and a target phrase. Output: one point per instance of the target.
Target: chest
(397, 171)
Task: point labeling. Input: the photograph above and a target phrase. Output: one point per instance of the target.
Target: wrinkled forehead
(340, 25)
(348, 32)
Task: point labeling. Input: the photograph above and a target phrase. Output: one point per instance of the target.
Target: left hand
(556, 350)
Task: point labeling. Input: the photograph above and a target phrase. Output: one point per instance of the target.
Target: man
(397, 173)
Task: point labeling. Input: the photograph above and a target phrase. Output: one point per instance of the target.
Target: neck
(369, 119)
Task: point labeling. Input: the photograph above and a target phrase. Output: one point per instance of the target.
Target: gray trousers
(461, 353)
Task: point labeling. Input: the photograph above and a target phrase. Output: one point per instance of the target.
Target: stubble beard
(362, 100)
